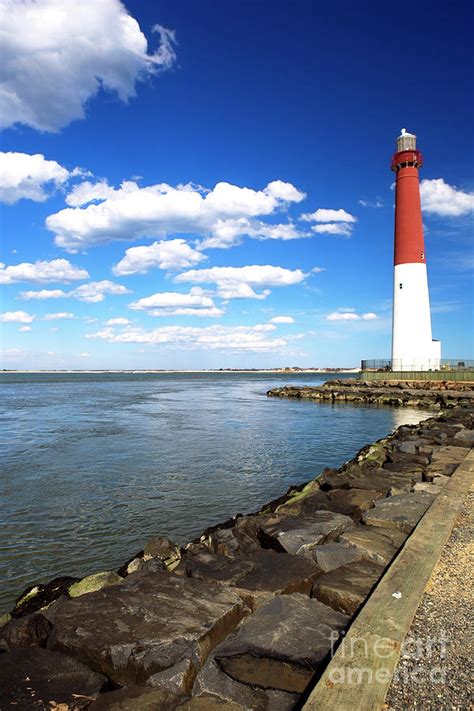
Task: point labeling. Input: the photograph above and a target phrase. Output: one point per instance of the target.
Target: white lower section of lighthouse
(412, 345)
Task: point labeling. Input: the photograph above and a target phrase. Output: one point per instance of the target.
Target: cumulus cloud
(350, 315)
(132, 212)
(330, 222)
(333, 228)
(92, 292)
(120, 321)
(43, 294)
(282, 319)
(58, 54)
(16, 317)
(41, 272)
(229, 233)
(171, 254)
(24, 329)
(95, 291)
(84, 193)
(325, 215)
(240, 282)
(255, 339)
(59, 316)
(29, 176)
(172, 303)
(440, 198)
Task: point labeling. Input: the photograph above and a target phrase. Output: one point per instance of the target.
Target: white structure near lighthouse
(413, 347)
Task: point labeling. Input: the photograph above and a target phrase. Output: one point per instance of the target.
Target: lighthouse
(412, 345)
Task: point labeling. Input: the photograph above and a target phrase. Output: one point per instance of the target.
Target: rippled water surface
(94, 465)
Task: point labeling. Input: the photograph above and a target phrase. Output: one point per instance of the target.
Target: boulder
(450, 453)
(34, 678)
(464, 438)
(426, 486)
(353, 502)
(36, 597)
(281, 645)
(137, 698)
(164, 549)
(258, 578)
(28, 631)
(378, 545)
(145, 625)
(402, 512)
(346, 589)
(330, 556)
(212, 681)
(178, 679)
(94, 582)
(299, 535)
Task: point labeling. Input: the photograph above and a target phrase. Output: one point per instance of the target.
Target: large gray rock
(402, 512)
(378, 545)
(281, 645)
(330, 556)
(465, 438)
(134, 629)
(371, 478)
(34, 678)
(449, 454)
(299, 535)
(353, 502)
(212, 681)
(346, 589)
(35, 597)
(258, 578)
(28, 631)
(211, 703)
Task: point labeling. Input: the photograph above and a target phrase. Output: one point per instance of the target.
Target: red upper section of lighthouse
(409, 242)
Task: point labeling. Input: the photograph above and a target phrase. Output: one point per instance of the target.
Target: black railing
(385, 364)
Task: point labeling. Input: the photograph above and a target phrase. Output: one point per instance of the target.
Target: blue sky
(199, 185)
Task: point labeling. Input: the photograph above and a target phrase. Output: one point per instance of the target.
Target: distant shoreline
(284, 371)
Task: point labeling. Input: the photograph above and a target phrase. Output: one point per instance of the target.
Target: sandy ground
(436, 669)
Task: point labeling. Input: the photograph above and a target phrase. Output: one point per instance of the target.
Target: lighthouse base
(430, 359)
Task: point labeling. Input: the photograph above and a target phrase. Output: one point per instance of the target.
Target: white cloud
(325, 215)
(440, 198)
(132, 212)
(43, 294)
(58, 316)
(228, 233)
(120, 321)
(372, 203)
(223, 338)
(58, 54)
(83, 193)
(318, 270)
(350, 315)
(282, 319)
(24, 329)
(16, 317)
(333, 228)
(172, 303)
(28, 176)
(92, 292)
(95, 291)
(239, 282)
(41, 272)
(171, 254)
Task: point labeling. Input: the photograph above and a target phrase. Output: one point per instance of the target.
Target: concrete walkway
(435, 668)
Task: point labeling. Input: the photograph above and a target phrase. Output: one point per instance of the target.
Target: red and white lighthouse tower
(412, 345)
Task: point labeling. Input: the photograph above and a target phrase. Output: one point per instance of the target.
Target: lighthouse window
(422, 255)
(401, 286)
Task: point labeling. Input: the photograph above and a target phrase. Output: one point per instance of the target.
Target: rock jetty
(244, 616)
(401, 393)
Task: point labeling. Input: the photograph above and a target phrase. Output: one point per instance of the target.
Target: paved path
(435, 669)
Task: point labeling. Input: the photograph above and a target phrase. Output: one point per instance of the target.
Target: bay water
(94, 464)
